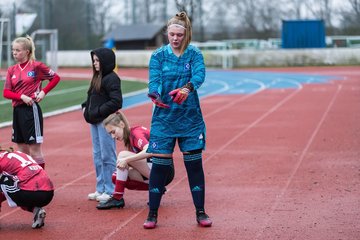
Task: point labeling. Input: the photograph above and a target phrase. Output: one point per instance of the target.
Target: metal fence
(274, 43)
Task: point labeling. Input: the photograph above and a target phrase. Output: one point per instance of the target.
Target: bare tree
(187, 6)
(83, 23)
(323, 10)
(100, 19)
(355, 6)
(350, 18)
(269, 18)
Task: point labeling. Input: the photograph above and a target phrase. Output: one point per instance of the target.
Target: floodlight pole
(53, 44)
(2, 22)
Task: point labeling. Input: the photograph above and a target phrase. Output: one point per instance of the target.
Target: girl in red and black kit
(23, 183)
(134, 163)
(23, 87)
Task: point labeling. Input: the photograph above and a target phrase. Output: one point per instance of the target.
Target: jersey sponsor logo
(187, 66)
(31, 74)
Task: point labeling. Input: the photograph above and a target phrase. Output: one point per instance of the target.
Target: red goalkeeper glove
(155, 98)
(179, 95)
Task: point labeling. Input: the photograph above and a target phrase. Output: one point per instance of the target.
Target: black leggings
(30, 199)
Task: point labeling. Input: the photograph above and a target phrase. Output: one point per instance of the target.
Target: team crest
(187, 66)
(31, 74)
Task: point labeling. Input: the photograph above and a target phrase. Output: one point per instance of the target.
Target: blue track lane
(242, 82)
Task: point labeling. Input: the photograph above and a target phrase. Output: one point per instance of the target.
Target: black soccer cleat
(111, 203)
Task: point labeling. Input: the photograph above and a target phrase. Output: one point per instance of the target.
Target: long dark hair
(95, 81)
(96, 78)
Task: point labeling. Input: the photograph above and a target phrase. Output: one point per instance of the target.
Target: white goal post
(4, 21)
(53, 36)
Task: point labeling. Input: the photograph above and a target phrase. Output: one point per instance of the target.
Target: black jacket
(99, 105)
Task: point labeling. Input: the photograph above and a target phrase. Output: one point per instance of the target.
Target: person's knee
(124, 154)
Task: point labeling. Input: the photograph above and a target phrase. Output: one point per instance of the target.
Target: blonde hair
(182, 19)
(28, 43)
(10, 149)
(115, 119)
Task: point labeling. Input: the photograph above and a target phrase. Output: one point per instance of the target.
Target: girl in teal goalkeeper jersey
(177, 70)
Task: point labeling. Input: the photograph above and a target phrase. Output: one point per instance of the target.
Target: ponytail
(28, 44)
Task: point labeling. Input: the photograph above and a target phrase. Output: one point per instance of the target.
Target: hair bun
(181, 14)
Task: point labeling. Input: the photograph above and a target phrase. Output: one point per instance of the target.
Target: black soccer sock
(161, 167)
(195, 172)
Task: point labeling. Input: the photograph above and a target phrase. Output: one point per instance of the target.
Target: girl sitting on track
(24, 183)
(133, 164)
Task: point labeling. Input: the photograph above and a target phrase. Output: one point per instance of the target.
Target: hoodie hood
(106, 58)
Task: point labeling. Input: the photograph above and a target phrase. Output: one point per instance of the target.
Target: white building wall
(231, 58)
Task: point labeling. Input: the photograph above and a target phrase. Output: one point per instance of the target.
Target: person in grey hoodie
(104, 97)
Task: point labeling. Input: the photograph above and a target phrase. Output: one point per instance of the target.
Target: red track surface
(281, 164)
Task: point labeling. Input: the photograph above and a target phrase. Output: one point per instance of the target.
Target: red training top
(25, 171)
(139, 137)
(27, 80)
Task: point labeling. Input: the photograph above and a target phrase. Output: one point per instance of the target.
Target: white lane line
(288, 80)
(242, 98)
(296, 167)
(57, 188)
(56, 92)
(222, 148)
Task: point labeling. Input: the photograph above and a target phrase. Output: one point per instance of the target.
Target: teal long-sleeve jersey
(168, 72)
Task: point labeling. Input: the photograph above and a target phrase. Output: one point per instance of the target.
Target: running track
(282, 162)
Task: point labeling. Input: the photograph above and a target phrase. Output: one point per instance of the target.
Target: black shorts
(31, 199)
(27, 124)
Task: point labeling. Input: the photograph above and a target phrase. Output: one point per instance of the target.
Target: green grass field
(65, 94)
